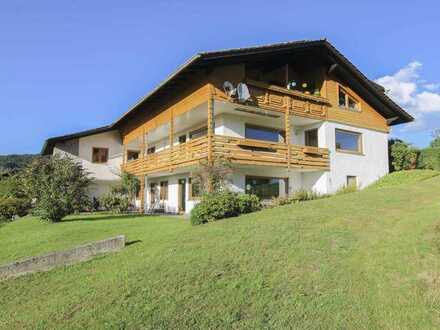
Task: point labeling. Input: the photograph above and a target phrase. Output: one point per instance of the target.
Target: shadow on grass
(133, 242)
(98, 217)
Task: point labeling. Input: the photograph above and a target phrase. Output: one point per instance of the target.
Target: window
(263, 133)
(195, 189)
(182, 139)
(264, 188)
(198, 133)
(164, 190)
(347, 101)
(311, 137)
(151, 150)
(132, 155)
(348, 141)
(351, 181)
(100, 155)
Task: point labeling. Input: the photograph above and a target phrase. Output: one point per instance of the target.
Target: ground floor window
(351, 181)
(264, 188)
(195, 189)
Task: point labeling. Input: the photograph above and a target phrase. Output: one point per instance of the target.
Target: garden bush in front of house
(11, 207)
(220, 205)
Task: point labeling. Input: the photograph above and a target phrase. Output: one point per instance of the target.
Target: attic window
(347, 101)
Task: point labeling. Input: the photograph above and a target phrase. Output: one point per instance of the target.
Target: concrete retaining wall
(54, 259)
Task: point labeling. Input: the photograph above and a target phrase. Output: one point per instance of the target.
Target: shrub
(429, 159)
(11, 207)
(248, 203)
(57, 184)
(279, 201)
(403, 156)
(305, 195)
(115, 202)
(220, 205)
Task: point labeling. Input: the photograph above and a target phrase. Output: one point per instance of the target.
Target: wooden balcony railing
(237, 150)
(255, 152)
(277, 98)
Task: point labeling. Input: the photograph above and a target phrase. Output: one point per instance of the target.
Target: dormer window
(347, 101)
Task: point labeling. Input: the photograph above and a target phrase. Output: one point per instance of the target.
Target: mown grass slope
(362, 260)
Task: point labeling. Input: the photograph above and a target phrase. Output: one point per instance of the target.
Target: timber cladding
(366, 117)
(160, 113)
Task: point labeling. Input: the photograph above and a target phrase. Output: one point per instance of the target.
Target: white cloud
(427, 102)
(432, 86)
(415, 95)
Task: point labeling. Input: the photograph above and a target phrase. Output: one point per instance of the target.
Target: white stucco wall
(104, 175)
(368, 167)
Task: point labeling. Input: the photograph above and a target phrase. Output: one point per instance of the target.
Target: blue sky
(67, 66)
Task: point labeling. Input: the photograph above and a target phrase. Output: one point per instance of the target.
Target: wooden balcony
(279, 99)
(237, 150)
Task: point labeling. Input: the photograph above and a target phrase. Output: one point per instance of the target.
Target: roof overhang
(49, 144)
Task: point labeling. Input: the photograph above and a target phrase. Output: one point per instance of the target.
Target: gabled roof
(372, 92)
(388, 108)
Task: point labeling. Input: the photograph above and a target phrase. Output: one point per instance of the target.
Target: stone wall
(54, 259)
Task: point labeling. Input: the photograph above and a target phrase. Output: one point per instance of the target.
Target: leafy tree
(58, 185)
(213, 176)
(403, 156)
(131, 185)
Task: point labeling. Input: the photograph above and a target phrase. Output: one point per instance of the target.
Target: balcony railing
(277, 98)
(237, 150)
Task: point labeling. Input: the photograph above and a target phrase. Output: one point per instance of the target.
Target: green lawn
(362, 260)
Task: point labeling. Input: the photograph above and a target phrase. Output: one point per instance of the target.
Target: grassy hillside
(360, 261)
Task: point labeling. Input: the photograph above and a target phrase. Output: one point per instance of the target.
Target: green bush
(429, 159)
(248, 203)
(403, 156)
(57, 184)
(220, 205)
(305, 195)
(11, 207)
(115, 202)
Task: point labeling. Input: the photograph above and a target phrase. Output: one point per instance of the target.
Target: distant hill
(13, 163)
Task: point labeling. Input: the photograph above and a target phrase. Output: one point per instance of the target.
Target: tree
(58, 185)
(131, 184)
(435, 143)
(213, 176)
(404, 156)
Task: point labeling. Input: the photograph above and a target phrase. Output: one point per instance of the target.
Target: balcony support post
(287, 128)
(210, 126)
(142, 193)
(171, 141)
(142, 153)
(124, 154)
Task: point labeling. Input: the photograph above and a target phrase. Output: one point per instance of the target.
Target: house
(287, 116)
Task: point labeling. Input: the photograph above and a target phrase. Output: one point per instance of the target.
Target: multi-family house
(287, 117)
